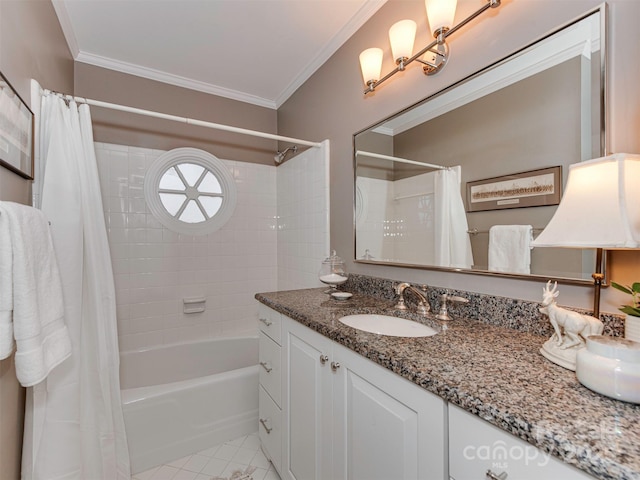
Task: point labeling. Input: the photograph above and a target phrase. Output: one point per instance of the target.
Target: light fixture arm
(441, 36)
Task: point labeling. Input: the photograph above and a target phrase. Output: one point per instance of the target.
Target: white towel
(510, 248)
(6, 289)
(42, 339)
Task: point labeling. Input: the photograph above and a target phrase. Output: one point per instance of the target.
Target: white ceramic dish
(341, 295)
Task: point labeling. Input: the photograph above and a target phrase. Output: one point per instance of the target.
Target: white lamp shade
(440, 13)
(402, 34)
(371, 64)
(600, 207)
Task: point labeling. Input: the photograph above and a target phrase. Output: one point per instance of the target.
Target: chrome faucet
(423, 302)
(443, 313)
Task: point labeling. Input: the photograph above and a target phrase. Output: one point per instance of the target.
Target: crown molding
(172, 79)
(67, 27)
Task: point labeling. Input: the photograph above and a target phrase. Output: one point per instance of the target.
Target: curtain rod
(400, 160)
(188, 121)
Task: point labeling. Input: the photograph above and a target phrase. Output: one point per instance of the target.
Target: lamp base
(566, 357)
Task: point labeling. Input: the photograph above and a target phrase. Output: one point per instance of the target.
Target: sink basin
(386, 325)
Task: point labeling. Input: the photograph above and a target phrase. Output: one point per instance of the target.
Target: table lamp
(600, 209)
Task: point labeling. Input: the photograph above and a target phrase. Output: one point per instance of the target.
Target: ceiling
(256, 51)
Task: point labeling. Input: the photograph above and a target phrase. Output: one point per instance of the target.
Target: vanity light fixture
(600, 209)
(440, 14)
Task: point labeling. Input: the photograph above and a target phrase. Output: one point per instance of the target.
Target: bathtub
(184, 398)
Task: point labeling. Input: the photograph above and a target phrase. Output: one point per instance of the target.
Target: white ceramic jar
(611, 367)
(632, 328)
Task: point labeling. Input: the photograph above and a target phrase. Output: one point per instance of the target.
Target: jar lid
(333, 259)
(614, 347)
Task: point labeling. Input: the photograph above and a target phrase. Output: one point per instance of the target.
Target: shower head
(280, 156)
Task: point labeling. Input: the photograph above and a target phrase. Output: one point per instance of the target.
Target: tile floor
(220, 461)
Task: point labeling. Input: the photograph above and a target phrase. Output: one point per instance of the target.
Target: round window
(190, 191)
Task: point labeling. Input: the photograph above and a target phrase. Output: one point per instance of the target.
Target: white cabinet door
(385, 427)
(307, 403)
(476, 446)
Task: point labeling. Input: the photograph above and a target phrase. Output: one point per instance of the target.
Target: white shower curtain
(74, 428)
(452, 243)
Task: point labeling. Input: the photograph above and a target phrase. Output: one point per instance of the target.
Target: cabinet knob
(335, 366)
(266, 322)
(323, 359)
(499, 476)
(263, 422)
(266, 366)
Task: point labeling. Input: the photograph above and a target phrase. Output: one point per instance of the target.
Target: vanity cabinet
(270, 389)
(478, 450)
(345, 417)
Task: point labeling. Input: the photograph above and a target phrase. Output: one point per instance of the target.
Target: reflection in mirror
(492, 150)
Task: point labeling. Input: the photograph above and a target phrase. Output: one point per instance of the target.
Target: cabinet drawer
(270, 372)
(476, 446)
(270, 428)
(270, 322)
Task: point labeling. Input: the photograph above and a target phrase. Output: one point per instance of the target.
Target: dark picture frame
(533, 188)
(16, 131)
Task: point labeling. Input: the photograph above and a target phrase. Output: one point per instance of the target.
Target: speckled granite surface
(494, 372)
(500, 311)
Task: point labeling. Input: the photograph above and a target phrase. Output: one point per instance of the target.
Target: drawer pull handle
(264, 424)
(335, 366)
(323, 359)
(266, 322)
(499, 476)
(266, 367)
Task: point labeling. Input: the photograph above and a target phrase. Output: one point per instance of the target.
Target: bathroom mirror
(497, 147)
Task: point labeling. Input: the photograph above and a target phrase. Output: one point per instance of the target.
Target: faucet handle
(454, 298)
(443, 313)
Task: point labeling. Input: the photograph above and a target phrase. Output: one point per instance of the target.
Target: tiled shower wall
(155, 268)
(303, 218)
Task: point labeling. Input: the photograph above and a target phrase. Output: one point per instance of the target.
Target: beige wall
(110, 126)
(331, 105)
(43, 55)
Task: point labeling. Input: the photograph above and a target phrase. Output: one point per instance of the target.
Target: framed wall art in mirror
(16, 131)
(540, 109)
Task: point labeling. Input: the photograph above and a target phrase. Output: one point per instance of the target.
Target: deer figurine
(574, 324)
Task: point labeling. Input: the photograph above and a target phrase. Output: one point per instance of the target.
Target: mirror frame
(602, 9)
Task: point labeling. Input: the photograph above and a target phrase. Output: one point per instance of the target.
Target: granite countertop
(494, 372)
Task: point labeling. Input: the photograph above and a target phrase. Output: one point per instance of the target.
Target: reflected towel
(41, 336)
(510, 248)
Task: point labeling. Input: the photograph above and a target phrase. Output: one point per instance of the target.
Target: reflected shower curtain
(74, 428)
(452, 243)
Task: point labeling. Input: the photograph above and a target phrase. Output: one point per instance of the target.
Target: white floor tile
(259, 474)
(237, 442)
(259, 460)
(217, 461)
(272, 475)
(226, 452)
(252, 442)
(214, 466)
(186, 475)
(196, 463)
(243, 456)
(146, 475)
(165, 472)
(234, 467)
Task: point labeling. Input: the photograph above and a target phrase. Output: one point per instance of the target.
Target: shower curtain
(74, 428)
(452, 243)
